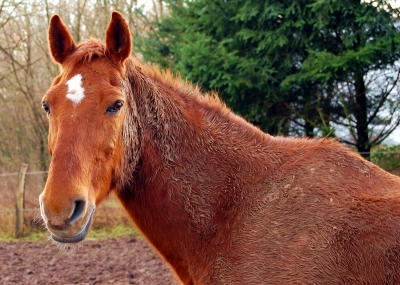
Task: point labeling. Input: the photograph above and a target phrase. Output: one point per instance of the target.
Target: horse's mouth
(79, 237)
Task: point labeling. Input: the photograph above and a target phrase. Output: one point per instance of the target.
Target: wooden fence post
(19, 209)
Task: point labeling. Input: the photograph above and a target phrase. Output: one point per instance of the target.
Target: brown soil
(124, 260)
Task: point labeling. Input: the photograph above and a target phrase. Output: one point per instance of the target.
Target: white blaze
(75, 90)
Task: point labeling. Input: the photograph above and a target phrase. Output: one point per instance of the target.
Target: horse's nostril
(78, 211)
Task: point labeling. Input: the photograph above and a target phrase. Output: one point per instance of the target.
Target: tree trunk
(309, 129)
(361, 115)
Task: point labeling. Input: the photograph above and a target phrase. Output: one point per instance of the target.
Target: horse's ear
(118, 39)
(61, 42)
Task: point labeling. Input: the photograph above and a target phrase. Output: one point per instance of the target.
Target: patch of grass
(113, 232)
(95, 234)
(30, 236)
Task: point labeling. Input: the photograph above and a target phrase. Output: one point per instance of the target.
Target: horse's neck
(188, 145)
(174, 127)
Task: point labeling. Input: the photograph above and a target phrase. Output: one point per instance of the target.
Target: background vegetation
(292, 67)
(298, 67)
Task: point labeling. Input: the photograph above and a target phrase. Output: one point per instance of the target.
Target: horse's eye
(46, 108)
(115, 108)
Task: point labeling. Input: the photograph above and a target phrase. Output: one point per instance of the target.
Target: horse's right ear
(61, 42)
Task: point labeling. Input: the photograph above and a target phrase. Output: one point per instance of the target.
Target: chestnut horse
(221, 201)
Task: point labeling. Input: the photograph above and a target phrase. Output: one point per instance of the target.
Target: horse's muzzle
(70, 225)
(79, 237)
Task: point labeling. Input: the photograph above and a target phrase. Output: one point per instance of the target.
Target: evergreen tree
(297, 66)
(221, 46)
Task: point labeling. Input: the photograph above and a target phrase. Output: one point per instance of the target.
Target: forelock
(85, 52)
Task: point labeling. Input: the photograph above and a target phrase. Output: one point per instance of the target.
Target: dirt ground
(126, 260)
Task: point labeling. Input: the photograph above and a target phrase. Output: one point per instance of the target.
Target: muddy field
(126, 260)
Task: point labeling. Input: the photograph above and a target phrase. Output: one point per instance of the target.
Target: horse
(221, 201)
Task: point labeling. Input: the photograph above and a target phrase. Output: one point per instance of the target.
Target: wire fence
(27, 173)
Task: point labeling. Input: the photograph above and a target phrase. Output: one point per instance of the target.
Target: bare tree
(20, 83)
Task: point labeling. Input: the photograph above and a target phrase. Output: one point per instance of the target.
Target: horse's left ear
(118, 39)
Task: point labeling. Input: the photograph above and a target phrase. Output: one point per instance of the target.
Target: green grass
(113, 232)
(120, 230)
(31, 236)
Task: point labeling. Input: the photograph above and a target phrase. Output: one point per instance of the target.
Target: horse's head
(85, 106)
